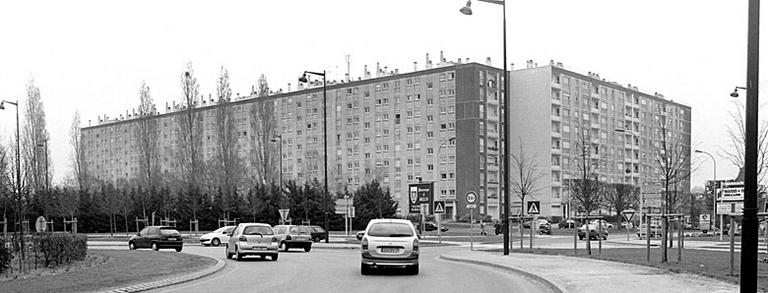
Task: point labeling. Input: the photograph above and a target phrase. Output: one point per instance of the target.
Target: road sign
(40, 225)
(352, 211)
(730, 208)
(471, 206)
(534, 207)
(283, 213)
(704, 222)
(418, 194)
(471, 197)
(439, 207)
(628, 215)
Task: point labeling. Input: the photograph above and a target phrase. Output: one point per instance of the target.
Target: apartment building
(625, 129)
(436, 125)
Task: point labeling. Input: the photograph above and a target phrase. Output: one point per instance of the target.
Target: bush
(62, 248)
(5, 256)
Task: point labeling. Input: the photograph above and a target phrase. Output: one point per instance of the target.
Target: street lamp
(714, 186)
(303, 78)
(279, 139)
(735, 93)
(466, 10)
(18, 179)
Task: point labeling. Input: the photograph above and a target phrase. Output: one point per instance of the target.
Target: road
(338, 270)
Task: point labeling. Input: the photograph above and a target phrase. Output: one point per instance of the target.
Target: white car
(605, 224)
(388, 243)
(217, 237)
(252, 239)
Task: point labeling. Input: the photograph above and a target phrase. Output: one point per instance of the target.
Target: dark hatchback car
(157, 237)
(429, 226)
(318, 233)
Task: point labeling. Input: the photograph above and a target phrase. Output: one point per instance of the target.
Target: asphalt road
(338, 270)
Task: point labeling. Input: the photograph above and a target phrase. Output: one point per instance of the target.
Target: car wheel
(178, 249)
(365, 269)
(283, 246)
(131, 246)
(414, 270)
(307, 248)
(274, 257)
(263, 256)
(581, 237)
(605, 237)
(215, 242)
(238, 257)
(317, 239)
(155, 247)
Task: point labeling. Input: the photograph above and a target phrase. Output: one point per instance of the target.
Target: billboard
(419, 194)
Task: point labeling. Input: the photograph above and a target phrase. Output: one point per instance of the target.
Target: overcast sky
(91, 56)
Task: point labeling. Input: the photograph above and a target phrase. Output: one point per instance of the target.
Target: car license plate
(172, 239)
(389, 250)
(257, 248)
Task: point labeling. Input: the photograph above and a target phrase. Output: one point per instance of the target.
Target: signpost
(471, 199)
(534, 207)
(628, 215)
(704, 222)
(439, 209)
(283, 215)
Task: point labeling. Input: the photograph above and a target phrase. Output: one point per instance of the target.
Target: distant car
(642, 230)
(389, 243)
(252, 239)
(545, 227)
(157, 237)
(429, 226)
(318, 233)
(592, 232)
(292, 236)
(217, 237)
(627, 225)
(567, 224)
(605, 224)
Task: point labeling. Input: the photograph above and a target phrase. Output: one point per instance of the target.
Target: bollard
(679, 239)
(731, 234)
(600, 237)
(530, 245)
(575, 238)
(664, 228)
(647, 238)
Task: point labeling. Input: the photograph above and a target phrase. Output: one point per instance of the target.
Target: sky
(92, 56)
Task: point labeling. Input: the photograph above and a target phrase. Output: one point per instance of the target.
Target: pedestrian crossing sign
(439, 207)
(534, 207)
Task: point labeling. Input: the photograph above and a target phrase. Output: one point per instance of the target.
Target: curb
(531, 276)
(220, 264)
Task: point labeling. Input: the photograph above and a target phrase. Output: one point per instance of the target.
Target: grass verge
(713, 264)
(104, 269)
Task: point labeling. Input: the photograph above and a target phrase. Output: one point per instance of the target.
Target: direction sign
(439, 207)
(471, 197)
(471, 206)
(283, 213)
(534, 207)
(730, 208)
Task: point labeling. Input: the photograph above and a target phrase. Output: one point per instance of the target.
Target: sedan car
(388, 243)
(592, 232)
(156, 237)
(217, 237)
(604, 223)
(429, 226)
(292, 236)
(252, 239)
(642, 230)
(318, 233)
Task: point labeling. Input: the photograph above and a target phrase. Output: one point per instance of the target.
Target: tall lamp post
(18, 180)
(303, 78)
(279, 140)
(714, 191)
(505, 222)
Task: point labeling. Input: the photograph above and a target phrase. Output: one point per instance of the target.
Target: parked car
(567, 224)
(318, 233)
(156, 237)
(627, 225)
(605, 223)
(292, 236)
(429, 226)
(643, 229)
(592, 232)
(545, 227)
(217, 237)
(389, 243)
(252, 239)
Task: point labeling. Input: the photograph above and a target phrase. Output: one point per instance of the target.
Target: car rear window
(168, 231)
(256, 230)
(318, 229)
(300, 230)
(390, 230)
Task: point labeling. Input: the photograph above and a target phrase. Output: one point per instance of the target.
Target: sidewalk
(571, 274)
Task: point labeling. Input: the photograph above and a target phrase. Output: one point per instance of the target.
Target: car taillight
(415, 244)
(274, 239)
(365, 244)
(242, 238)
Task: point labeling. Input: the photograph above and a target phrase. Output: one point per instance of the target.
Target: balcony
(492, 101)
(594, 110)
(557, 151)
(557, 101)
(556, 118)
(556, 168)
(556, 134)
(556, 85)
(594, 125)
(494, 134)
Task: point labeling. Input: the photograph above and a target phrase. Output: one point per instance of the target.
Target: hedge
(5, 256)
(62, 248)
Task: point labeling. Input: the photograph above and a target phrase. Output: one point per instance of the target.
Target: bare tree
(525, 175)
(146, 131)
(619, 197)
(78, 153)
(263, 126)
(6, 178)
(586, 189)
(189, 132)
(736, 135)
(34, 134)
(226, 165)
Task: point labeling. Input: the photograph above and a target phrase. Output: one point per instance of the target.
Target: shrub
(62, 248)
(5, 256)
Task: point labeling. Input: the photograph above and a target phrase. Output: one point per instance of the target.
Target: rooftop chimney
(488, 61)
(427, 62)
(442, 59)
(415, 66)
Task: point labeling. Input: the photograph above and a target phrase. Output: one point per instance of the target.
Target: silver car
(252, 239)
(389, 243)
